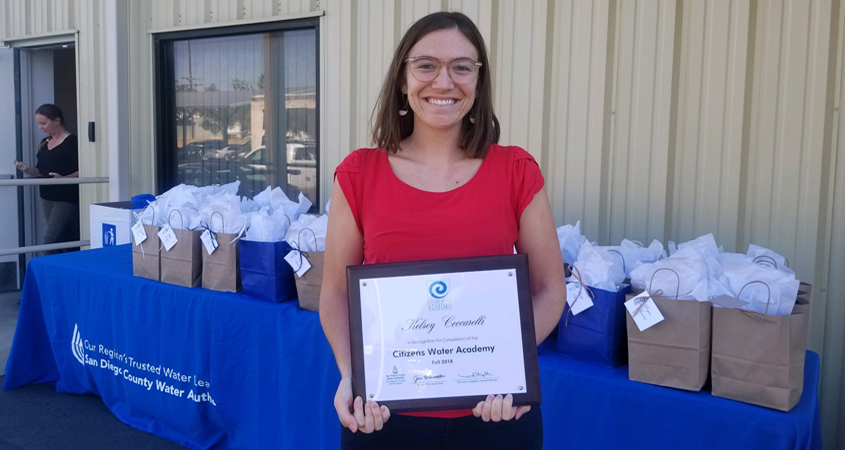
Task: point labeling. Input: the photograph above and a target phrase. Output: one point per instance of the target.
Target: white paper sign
(168, 237)
(139, 233)
(208, 241)
(647, 315)
(577, 298)
(441, 335)
(297, 262)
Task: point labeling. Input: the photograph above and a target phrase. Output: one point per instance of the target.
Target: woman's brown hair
(389, 128)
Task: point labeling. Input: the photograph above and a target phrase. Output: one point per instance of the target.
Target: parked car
(301, 171)
(189, 152)
(229, 152)
(197, 175)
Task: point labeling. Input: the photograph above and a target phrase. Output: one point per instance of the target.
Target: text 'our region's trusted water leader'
(152, 377)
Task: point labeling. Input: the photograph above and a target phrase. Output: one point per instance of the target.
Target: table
(220, 370)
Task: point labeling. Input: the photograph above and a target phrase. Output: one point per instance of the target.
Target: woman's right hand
(21, 166)
(356, 415)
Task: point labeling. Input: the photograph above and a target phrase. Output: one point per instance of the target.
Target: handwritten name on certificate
(442, 335)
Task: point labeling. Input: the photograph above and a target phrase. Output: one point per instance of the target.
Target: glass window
(240, 107)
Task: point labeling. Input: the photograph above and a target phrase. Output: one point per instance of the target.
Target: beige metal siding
(711, 111)
(579, 110)
(640, 126)
(660, 119)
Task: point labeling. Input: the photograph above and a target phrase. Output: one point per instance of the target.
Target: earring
(404, 110)
(472, 118)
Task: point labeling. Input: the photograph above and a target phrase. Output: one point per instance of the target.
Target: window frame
(166, 165)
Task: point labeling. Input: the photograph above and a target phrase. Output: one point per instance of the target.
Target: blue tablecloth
(217, 370)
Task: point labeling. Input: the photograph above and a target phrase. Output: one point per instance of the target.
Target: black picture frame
(517, 262)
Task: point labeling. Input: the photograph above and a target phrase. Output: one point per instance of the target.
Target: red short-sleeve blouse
(400, 223)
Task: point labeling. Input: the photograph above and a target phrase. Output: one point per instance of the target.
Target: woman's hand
(58, 175)
(356, 415)
(21, 166)
(497, 408)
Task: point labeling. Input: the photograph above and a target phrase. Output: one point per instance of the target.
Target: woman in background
(58, 157)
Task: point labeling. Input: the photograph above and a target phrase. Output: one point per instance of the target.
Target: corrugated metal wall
(660, 119)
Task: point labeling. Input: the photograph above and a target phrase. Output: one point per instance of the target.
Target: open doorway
(32, 76)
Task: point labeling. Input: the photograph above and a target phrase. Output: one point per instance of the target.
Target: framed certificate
(434, 335)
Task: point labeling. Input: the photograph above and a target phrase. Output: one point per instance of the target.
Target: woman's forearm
(334, 317)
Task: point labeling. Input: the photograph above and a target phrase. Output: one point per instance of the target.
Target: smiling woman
(438, 186)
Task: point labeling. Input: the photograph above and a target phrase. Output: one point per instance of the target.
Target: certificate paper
(437, 336)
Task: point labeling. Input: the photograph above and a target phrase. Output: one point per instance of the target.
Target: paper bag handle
(137, 216)
(678, 291)
(299, 237)
(181, 218)
(624, 269)
(211, 221)
(767, 288)
(765, 260)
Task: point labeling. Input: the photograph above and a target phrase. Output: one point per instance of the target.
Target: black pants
(408, 432)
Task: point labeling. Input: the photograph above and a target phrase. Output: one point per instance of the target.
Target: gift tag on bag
(577, 298)
(168, 237)
(208, 241)
(139, 233)
(298, 262)
(644, 311)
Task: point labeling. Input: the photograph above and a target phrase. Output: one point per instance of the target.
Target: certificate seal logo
(439, 295)
(395, 378)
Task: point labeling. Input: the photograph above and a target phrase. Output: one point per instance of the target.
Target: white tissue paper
(308, 233)
(748, 281)
(571, 240)
(684, 274)
(598, 268)
(764, 256)
(276, 199)
(704, 245)
(632, 255)
(266, 226)
(181, 205)
(221, 212)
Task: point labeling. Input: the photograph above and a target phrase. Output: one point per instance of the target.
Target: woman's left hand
(497, 408)
(58, 175)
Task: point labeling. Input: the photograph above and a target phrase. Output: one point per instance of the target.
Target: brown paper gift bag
(145, 257)
(759, 358)
(308, 285)
(674, 352)
(221, 270)
(182, 264)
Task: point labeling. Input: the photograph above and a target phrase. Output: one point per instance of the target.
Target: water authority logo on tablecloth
(76, 345)
(439, 295)
(148, 376)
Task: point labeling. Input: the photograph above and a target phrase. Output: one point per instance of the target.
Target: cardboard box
(111, 224)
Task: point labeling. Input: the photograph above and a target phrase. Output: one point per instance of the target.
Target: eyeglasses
(426, 68)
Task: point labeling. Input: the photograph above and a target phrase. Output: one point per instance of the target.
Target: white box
(111, 224)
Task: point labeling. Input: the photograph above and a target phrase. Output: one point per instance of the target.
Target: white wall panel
(711, 105)
(640, 128)
(787, 136)
(377, 41)
(579, 111)
(519, 73)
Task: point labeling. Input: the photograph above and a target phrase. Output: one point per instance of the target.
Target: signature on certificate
(484, 374)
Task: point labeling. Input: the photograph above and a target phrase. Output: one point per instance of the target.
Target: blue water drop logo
(437, 289)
